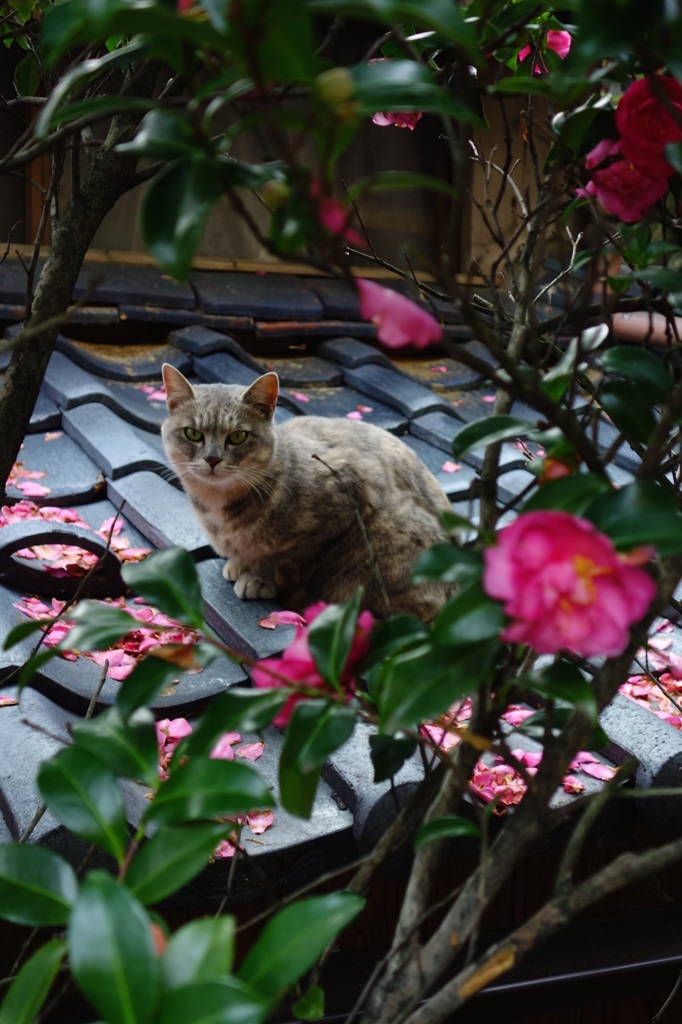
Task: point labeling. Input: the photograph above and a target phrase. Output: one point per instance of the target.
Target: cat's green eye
(237, 437)
(192, 434)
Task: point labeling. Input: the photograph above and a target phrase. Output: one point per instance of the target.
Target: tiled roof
(95, 436)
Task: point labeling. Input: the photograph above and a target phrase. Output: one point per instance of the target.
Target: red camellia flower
(623, 189)
(399, 118)
(646, 125)
(564, 586)
(399, 321)
(297, 668)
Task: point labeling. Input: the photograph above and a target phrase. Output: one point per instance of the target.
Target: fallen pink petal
(450, 467)
(6, 701)
(354, 415)
(281, 618)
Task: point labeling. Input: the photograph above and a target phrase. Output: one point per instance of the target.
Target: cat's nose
(212, 460)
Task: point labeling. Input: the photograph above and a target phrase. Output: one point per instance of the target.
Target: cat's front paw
(250, 587)
(233, 569)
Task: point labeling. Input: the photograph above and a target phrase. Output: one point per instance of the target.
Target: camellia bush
(557, 594)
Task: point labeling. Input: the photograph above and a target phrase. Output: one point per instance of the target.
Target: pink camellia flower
(646, 126)
(564, 586)
(399, 321)
(297, 669)
(556, 40)
(399, 118)
(626, 191)
(334, 216)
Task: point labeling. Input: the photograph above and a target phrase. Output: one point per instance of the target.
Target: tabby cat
(308, 510)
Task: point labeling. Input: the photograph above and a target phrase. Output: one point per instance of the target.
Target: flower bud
(336, 88)
(275, 193)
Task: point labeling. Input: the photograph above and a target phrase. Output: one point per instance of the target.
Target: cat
(308, 510)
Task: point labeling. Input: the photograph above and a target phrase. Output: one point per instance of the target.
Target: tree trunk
(109, 176)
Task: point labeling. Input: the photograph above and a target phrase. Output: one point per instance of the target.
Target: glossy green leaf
(97, 626)
(467, 618)
(294, 938)
(448, 563)
(168, 579)
(489, 431)
(405, 85)
(170, 859)
(556, 380)
(238, 709)
(640, 366)
(173, 213)
(23, 629)
(563, 681)
(394, 634)
(447, 827)
(79, 74)
(316, 729)
(224, 1001)
(128, 747)
(311, 1004)
(111, 951)
(389, 754)
(37, 887)
(330, 637)
(443, 17)
(200, 951)
(424, 682)
(209, 788)
(35, 664)
(628, 408)
(30, 988)
(568, 493)
(146, 680)
(85, 796)
(640, 513)
(27, 76)
(164, 135)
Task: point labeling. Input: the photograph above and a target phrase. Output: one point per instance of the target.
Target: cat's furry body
(297, 508)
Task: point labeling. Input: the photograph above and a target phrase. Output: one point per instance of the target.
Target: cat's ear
(262, 394)
(178, 388)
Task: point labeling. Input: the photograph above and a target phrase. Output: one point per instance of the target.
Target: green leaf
(170, 859)
(23, 629)
(80, 74)
(208, 788)
(164, 135)
(85, 796)
(424, 682)
(311, 1004)
(200, 951)
(111, 952)
(237, 709)
(294, 938)
(97, 626)
(640, 366)
(489, 431)
(224, 1001)
(389, 754)
(556, 380)
(37, 887)
(173, 213)
(447, 827)
(168, 579)
(568, 493)
(628, 408)
(448, 563)
(442, 16)
(30, 988)
(405, 85)
(330, 638)
(467, 618)
(394, 634)
(640, 513)
(148, 677)
(563, 681)
(316, 729)
(390, 181)
(128, 748)
(27, 76)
